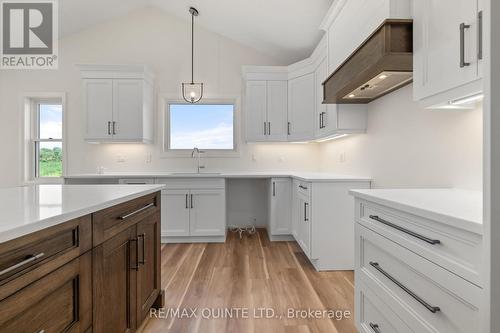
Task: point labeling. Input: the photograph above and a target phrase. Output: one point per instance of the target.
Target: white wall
(151, 37)
(407, 146)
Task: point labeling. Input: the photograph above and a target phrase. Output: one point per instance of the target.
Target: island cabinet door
(115, 266)
(59, 302)
(148, 276)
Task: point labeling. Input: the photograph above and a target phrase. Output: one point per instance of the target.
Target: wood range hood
(382, 64)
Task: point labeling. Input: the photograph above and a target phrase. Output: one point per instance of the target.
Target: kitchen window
(208, 126)
(45, 151)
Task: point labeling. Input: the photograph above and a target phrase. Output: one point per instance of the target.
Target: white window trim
(28, 159)
(166, 101)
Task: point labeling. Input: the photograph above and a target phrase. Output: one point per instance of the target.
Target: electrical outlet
(254, 159)
(149, 158)
(120, 158)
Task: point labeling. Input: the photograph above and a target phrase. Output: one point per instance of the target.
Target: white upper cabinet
(349, 22)
(118, 103)
(266, 110)
(98, 107)
(277, 128)
(256, 111)
(128, 99)
(301, 107)
(447, 46)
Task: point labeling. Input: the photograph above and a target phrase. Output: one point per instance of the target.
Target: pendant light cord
(192, 48)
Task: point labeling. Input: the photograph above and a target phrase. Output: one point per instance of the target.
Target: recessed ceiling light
(383, 76)
(352, 96)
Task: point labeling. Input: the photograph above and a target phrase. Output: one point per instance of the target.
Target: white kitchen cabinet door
(256, 111)
(98, 105)
(207, 212)
(323, 119)
(281, 201)
(277, 100)
(295, 209)
(301, 107)
(304, 224)
(128, 109)
(437, 46)
(174, 213)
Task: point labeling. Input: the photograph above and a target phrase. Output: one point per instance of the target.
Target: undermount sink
(195, 174)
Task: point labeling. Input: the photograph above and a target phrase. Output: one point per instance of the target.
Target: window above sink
(210, 126)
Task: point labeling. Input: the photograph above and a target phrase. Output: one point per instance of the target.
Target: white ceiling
(287, 30)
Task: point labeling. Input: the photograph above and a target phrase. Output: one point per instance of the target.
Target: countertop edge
(452, 221)
(326, 178)
(24, 230)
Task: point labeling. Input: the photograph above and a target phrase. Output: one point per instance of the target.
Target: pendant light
(192, 92)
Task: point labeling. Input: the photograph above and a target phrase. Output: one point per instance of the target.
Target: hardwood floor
(248, 274)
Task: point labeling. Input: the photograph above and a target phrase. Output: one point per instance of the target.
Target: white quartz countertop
(305, 176)
(456, 207)
(28, 209)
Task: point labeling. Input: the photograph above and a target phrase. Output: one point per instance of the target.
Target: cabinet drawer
(427, 297)
(373, 316)
(111, 221)
(42, 252)
(192, 183)
(304, 188)
(59, 302)
(457, 250)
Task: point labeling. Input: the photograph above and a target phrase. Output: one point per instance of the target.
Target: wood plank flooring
(248, 274)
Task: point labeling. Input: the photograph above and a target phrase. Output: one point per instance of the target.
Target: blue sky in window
(50, 121)
(201, 125)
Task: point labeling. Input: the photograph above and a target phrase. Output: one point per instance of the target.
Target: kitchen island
(79, 258)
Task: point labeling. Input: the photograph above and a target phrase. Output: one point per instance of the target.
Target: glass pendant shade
(192, 92)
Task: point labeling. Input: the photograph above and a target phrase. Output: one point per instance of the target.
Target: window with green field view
(48, 139)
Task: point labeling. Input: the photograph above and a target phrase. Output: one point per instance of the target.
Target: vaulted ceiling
(287, 30)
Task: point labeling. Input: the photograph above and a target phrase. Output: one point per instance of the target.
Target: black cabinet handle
(375, 328)
(136, 266)
(303, 187)
(268, 128)
(109, 128)
(406, 231)
(192, 206)
(142, 261)
(187, 206)
(429, 307)
(274, 189)
(463, 63)
(288, 128)
(480, 35)
(306, 218)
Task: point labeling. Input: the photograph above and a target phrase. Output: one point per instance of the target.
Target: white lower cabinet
(205, 215)
(193, 211)
(280, 216)
(174, 213)
(304, 224)
(322, 222)
(398, 273)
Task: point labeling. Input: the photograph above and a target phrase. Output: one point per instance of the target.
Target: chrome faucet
(198, 157)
